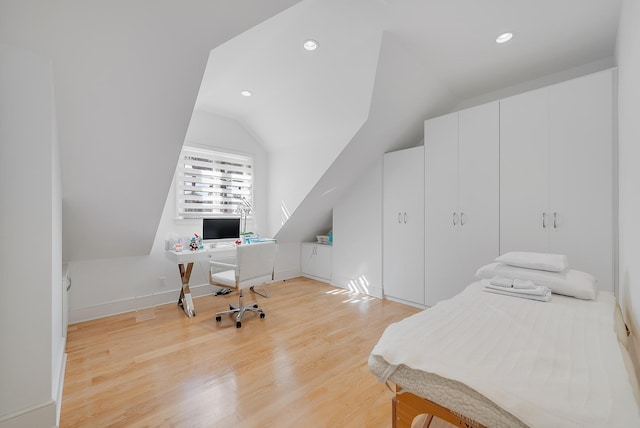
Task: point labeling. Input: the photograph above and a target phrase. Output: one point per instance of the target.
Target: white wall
(357, 235)
(628, 56)
(107, 286)
(292, 174)
(127, 75)
(30, 232)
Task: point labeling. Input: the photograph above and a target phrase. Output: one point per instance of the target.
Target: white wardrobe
(557, 173)
(461, 198)
(403, 225)
(533, 172)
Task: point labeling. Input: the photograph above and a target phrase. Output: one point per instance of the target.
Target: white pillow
(540, 261)
(570, 283)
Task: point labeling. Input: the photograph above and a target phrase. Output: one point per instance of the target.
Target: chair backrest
(255, 260)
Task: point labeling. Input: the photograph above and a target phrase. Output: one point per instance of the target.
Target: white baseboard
(41, 415)
(317, 278)
(405, 302)
(286, 274)
(63, 368)
(60, 364)
(131, 304)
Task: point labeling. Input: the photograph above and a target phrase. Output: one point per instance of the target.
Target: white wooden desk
(189, 257)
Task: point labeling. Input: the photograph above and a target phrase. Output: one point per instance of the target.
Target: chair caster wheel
(262, 315)
(238, 324)
(218, 318)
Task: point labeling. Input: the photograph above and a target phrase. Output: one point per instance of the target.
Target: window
(212, 184)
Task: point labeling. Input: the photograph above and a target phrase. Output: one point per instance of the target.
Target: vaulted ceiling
(128, 75)
(297, 93)
(381, 68)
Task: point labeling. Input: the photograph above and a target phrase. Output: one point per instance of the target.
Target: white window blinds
(212, 184)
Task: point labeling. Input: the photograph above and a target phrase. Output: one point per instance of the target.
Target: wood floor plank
(305, 364)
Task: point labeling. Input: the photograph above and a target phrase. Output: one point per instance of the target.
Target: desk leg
(185, 299)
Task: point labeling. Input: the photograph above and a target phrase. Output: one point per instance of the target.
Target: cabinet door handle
(454, 218)
(405, 218)
(399, 218)
(461, 219)
(544, 218)
(555, 220)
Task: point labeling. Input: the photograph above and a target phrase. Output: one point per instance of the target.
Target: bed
(489, 360)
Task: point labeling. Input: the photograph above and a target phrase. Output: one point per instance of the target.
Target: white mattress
(505, 361)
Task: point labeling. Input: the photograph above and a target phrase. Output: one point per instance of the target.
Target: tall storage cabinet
(556, 164)
(403, 225)
(461, 198)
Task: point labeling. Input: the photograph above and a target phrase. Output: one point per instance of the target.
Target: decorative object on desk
(193, 245)
(245, 208)
(177, 247)
(331, 237)
(245, 237)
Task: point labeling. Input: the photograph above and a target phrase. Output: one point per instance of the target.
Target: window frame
(218, 179)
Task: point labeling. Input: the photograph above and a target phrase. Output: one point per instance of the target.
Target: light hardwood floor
(304, 365)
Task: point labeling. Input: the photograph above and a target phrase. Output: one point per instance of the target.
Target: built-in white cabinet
(556, 167)
(403, 225)
(315, 261)
(461, 198)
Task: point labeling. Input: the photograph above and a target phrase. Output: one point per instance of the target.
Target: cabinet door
(323, 262)
(315, 260)
(307, 259)
(441, 206)
(478, 191)
(524, 172)
(403, 225)
(581, 174)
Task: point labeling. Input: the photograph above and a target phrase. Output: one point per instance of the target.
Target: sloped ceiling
(433, 56)
(127, 75)
(453, 39)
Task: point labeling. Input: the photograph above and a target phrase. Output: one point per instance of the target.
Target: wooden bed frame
(406, 406)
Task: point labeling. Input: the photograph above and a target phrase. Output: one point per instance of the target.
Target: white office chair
(254, 266)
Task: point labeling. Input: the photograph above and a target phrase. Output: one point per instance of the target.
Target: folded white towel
(501, 281)
(536, 291)
(523, 283)
(503, 291)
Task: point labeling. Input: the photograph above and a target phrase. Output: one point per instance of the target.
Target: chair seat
(226, 278)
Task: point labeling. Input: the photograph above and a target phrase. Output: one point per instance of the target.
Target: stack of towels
(523, 288)
(536, 276)
(524, 274)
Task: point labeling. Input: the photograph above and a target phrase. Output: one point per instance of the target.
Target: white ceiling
(316, 97)
(126, 77)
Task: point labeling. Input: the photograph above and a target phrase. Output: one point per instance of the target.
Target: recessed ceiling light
(504, 38)
(246, 93)
(310, 45)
